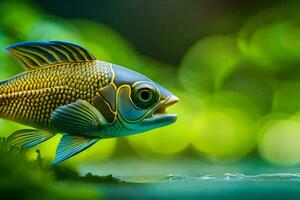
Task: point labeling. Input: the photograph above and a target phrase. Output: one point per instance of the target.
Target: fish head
(140, 103)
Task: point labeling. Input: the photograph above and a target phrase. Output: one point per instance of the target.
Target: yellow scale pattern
(31, 97)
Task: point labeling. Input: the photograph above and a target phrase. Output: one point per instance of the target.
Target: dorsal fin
(33, 55)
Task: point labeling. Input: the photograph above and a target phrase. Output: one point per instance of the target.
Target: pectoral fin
(71, 145)
(77, 117)
(28, 137)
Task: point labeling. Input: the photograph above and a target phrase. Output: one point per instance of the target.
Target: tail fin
(27, 138)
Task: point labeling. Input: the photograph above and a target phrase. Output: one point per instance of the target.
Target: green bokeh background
(238, 78)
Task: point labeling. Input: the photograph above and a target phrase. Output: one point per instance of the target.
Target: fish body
(32, 96)
(64, 89)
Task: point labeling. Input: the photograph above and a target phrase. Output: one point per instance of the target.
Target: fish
(65, 90)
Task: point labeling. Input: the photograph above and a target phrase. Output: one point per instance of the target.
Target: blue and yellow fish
(64, 89)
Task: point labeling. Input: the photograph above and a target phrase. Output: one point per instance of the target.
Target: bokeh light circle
(280, 142)
(207, 62)
(222, 133)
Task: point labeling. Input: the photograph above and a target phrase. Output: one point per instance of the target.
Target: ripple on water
(228, 177)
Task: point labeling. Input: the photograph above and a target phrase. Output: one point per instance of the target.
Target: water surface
(196, 179)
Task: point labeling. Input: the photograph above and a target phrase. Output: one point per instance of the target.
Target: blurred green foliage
(22, 179)
(238, 91)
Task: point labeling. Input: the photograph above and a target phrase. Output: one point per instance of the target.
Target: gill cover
(105, 101)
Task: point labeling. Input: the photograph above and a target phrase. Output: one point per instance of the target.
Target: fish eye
(144, 95)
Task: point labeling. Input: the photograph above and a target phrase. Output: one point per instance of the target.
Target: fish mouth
(159, 116)
(161, 110)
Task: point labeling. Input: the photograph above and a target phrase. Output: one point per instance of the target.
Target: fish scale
(31, 97)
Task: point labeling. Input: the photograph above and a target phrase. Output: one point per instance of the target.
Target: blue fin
(71, 145)
(28, 137)
(77, 118)
(32, 55)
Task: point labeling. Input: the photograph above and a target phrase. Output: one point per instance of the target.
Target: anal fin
(71, 145)
(27, 138)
